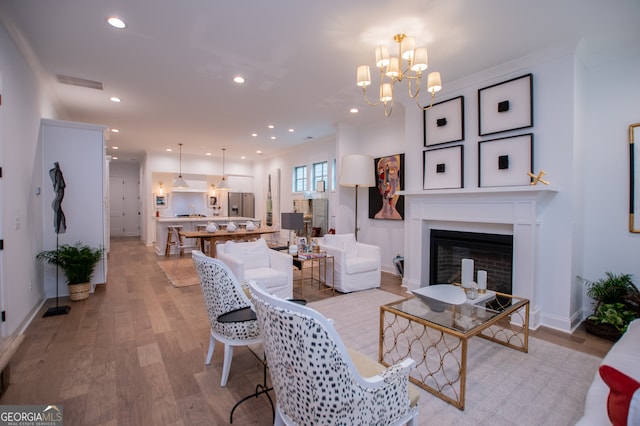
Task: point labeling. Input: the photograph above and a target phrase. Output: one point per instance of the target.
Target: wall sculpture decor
(443, 168)
(506, 106)
(444, 122)
(505, 161)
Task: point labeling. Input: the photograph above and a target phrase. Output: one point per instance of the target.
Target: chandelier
(391, 72)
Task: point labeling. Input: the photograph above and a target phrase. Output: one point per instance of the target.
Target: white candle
(467, 272)
(482, 280)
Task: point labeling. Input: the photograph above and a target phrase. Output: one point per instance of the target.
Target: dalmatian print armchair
(223, 294)
(315, 380)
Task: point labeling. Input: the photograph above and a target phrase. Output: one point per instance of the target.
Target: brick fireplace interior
(490, 252)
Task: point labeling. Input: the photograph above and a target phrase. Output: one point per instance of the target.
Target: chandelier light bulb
(420, 59)
(434, 84)
(407, 48)
(363, 76)
(386, 93)
(382, 56)
(393, 70)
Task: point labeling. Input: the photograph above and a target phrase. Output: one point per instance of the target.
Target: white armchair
(357, 265)
(254, 260)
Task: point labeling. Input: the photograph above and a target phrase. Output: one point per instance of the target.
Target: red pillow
(622, 388)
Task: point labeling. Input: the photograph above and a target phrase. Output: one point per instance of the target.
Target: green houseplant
(617, 303)
(78, 262)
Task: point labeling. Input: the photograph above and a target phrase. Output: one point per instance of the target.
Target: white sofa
(624, 356)
(254, 260)
(357, 266)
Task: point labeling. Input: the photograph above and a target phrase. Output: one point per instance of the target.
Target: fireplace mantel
(510, 210)
(537, 191)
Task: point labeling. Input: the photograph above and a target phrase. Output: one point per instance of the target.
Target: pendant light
(180, 182)
(224, 183)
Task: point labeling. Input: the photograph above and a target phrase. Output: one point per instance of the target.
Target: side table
(319, 264)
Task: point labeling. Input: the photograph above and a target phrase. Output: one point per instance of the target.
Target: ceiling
(173, 65)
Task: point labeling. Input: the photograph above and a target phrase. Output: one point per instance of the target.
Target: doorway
(124, 200)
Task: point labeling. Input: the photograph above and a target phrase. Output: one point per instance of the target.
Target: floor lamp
(357, 170)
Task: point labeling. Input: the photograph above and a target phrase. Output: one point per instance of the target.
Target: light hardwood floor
(133, 353)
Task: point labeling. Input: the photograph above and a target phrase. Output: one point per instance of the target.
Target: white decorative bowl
(439, 296)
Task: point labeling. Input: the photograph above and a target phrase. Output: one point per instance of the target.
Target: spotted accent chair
(222, 294)
(314, 377)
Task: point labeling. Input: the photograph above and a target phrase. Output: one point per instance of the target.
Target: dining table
(224, 235)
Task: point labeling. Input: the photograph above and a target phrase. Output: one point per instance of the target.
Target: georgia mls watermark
(31, 415)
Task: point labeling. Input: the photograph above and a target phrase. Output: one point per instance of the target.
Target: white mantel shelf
(538, 190)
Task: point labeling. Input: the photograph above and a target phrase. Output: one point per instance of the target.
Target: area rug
(547, 385)
(180, 272)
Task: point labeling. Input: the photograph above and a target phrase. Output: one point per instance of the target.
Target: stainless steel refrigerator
(241, 204)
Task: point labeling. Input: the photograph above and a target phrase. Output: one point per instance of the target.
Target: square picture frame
(212, 201)
(505, 161)
(506, 106)
(443, 168)
(444, 122)
(160, 201)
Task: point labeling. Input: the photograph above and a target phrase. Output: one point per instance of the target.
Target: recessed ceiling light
(254, 134)
(114, 158)
(243, 157)
(258, 152)
(238, 79)
(115, 99)
(115, 130)
(115, 147)
(169, 150)
(270, 126)
(273, 138)
(208, 153)
(291, 130)
(116, 22)
(353, 110)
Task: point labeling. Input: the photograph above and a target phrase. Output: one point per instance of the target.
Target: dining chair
(223, 295)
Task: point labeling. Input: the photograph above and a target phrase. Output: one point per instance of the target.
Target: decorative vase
(79, 291)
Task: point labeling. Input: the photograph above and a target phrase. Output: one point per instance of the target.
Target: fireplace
(490, 252)
(512, 211)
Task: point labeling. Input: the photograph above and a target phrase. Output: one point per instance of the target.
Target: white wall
(613, 99)
(23, 104)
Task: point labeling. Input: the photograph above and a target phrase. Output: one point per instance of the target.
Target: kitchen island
(190, 223)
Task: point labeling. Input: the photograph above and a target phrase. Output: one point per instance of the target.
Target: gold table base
(439, 352)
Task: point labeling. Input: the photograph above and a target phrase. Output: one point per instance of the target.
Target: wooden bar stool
(171, 242)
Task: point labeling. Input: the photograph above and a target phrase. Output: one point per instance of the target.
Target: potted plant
(78, 262)
(617, 303)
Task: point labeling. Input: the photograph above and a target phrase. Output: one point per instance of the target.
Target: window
(300, 179)
(320, 173)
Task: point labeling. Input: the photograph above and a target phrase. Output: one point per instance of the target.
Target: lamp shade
(293, 221)
(357, 170)
(179, 182)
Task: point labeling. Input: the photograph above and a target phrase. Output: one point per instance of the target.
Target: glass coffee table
(436, 336)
